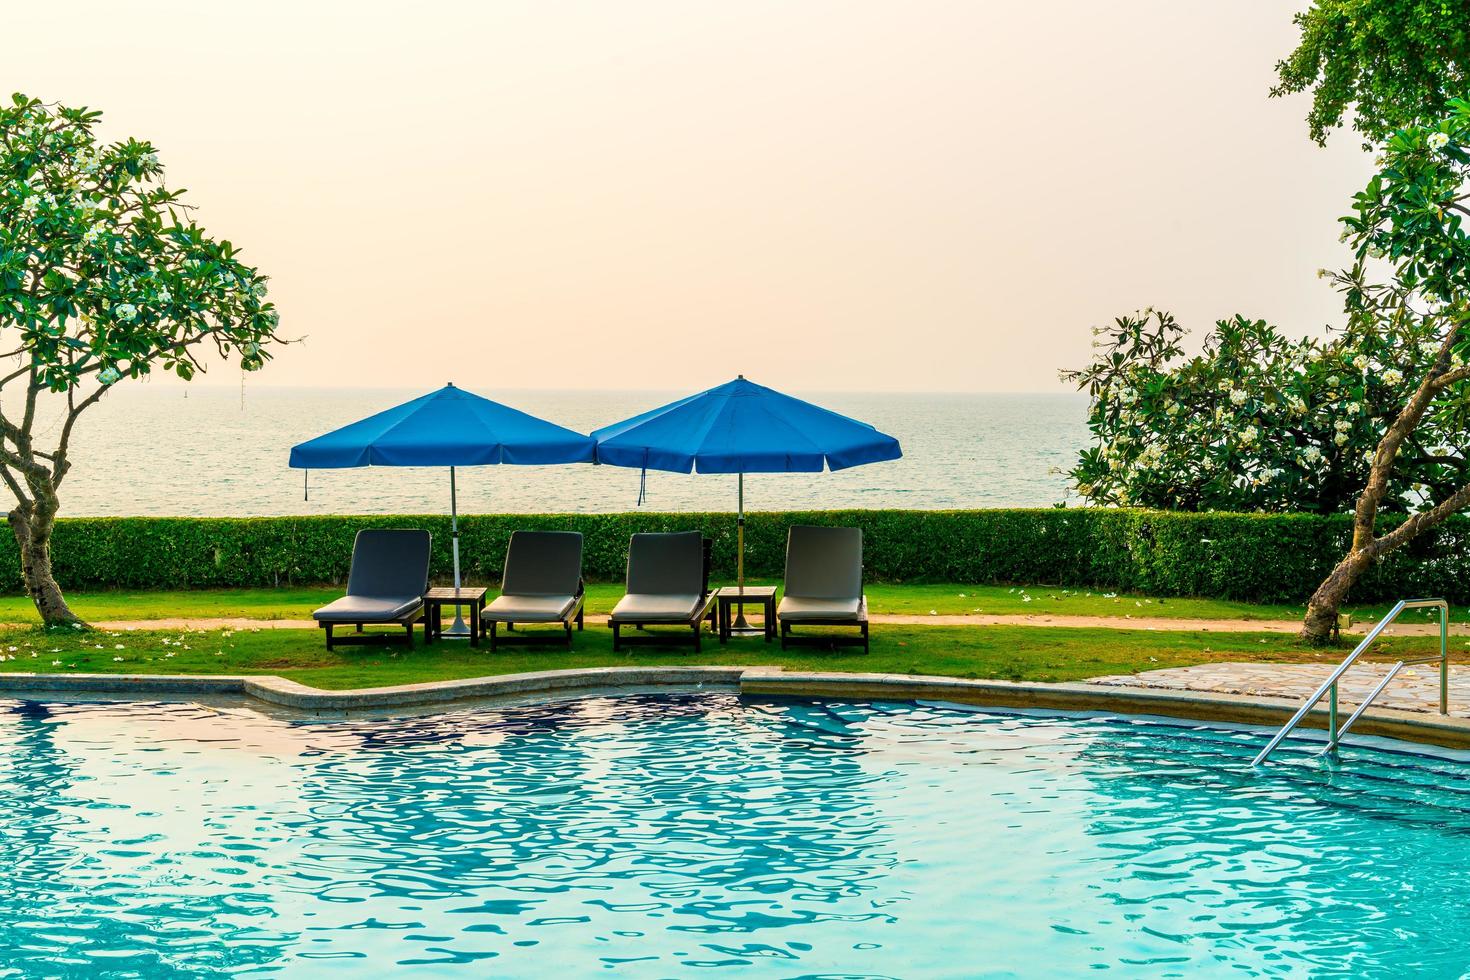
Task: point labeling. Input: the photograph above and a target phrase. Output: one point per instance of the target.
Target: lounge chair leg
(865, 638)
(580, 611)
(493, 624)
(785, 632)
(329, 636)
(615, 628)
(569, 635)
(359, 627)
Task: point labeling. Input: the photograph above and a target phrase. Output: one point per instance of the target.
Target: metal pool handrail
(1335, 734)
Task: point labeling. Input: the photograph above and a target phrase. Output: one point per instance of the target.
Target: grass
(1004, 652)
(920, 600)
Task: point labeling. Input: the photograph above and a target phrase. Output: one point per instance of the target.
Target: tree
(1393, 63)
(1377, 418)
(1255, 422)
(1411, 218)
(103, 276)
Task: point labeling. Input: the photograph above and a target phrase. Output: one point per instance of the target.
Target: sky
(845, 195)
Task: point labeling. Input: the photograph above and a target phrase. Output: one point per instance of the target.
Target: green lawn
(297, 603)
(1006, 652)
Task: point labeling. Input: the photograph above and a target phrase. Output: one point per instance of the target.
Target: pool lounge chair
(668, 585)
(542, 583)
(824, 585)
(385, 587)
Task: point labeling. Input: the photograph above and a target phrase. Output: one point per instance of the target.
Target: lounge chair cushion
(530, 608)
(642, 608)
(669, 564)
(543, 563)
(367, 609)
(797, 609)
(824, 562)
(389, 563)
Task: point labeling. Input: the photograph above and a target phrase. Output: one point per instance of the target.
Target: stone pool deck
(1415, 689)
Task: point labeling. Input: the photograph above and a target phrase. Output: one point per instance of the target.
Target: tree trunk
(1320, 624)
(32, 528)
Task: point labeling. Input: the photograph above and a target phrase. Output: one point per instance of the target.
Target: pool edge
(769, 681)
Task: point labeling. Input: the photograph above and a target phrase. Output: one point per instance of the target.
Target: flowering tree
(103, 276)
(1255, 422)
(1410, 217)
(1378, 417)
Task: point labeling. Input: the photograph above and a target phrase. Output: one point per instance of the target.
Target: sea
(153, 449)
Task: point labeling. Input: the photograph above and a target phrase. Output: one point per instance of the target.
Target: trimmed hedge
(1253, 557)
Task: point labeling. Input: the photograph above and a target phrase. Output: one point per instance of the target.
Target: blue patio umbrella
(741, 427)
(449, 427)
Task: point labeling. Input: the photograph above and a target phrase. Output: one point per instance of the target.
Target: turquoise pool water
(706, 835)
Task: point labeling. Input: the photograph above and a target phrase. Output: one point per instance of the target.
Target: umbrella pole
(740, 625)
(459, 628)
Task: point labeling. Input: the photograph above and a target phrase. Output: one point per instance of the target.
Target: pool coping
(767, 681)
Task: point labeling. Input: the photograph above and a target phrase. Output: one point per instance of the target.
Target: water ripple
(674, 835)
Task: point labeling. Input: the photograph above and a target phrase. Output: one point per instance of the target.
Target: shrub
(1252, 557)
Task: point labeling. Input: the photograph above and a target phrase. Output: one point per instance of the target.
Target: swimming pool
(693, 834)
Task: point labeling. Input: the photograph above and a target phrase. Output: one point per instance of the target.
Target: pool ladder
(1329, 686)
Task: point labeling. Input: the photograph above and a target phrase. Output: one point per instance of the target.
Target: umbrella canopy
(448, 427)
(742, 427)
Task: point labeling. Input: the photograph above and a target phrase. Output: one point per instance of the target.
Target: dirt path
(1073, 622)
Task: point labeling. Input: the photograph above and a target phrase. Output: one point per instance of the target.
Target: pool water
(705, 834)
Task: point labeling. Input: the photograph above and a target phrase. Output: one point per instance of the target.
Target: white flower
(1341, 438)
(125, 312)
(1374, 252)
(164, 296)
(1248, 435)
(1438, 141)
(1311, 455)
(109, 375)
(1342, 425)
(1237, 396)
(1392, 377)
(1361, 362)
(1429, 348)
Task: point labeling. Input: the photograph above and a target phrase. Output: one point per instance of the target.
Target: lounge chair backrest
(389, 563)
(666, 564)
(543, 563)
(824, 562)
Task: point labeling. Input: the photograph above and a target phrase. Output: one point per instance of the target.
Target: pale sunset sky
(841, 195)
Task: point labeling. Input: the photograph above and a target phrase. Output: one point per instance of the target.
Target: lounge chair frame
(573, 617)
(359, 638)
(829, 640)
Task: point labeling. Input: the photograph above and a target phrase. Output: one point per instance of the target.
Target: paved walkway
(1415, 689)
(1074, 622)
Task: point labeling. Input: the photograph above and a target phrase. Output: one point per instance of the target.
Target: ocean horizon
(213, 450)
